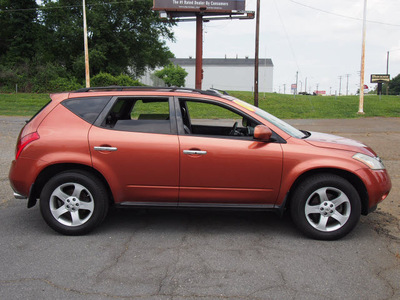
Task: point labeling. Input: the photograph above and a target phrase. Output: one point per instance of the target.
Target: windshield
(289, 129)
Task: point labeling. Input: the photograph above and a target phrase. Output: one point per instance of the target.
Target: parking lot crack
(117, 258)
(172, 267)
(63, 288)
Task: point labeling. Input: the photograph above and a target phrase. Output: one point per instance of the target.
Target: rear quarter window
(87, 108)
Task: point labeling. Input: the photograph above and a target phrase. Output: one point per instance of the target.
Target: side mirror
(262, 133)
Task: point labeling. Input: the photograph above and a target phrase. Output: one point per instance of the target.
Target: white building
(235, 74)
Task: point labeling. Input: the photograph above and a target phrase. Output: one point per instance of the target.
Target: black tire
(74, 202)
(325, 207)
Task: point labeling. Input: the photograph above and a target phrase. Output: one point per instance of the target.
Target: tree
(172, 75)
(18, 30)
(124, 37)
(394, 85)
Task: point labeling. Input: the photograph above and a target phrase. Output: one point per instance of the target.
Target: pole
(199, 51)
(361, 103)
(85, 39)
(305, 86)
(340, 85)
(387, 72)
(347, 84)
(256, 54)
(297, 82)
(387, 63)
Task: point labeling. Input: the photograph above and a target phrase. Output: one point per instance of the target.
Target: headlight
(374, 163)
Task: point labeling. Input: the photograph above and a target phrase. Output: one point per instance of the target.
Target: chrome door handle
(100, 148)
(194, 152)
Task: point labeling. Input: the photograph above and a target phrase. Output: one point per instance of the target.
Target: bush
(43, 75)
(10, 77)
(64, 84)
(106, 79)
(172, 75)
(125, 80)
(103, 79)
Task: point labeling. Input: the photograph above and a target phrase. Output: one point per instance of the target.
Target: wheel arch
(354, 180)
(52, 170)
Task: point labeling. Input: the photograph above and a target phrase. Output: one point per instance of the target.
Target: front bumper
(378, 185)
(19, 196)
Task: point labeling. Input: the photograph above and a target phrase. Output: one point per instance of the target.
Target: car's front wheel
(73, 202)
(325, 206)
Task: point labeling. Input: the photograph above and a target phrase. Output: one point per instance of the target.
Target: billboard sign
(199, 5)
(380, 78)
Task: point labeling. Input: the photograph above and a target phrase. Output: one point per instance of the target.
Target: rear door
(136, 148)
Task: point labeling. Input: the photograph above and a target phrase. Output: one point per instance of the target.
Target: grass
(282, 106)
(22, 104)
(324, 107)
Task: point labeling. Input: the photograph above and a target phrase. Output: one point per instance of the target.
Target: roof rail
(219, 91)
(211, 92)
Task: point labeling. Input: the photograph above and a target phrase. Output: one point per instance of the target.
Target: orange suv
(148, 147)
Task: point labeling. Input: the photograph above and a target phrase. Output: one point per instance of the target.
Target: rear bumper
(22, 176)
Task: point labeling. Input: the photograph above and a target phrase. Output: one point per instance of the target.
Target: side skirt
(264, 207)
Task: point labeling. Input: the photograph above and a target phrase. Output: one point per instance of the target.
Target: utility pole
(361, 102)
(85, 40)
(387, 72)
(284, 88)
(256, 54)
(199, 51)
(347, 84)
(340, 85)
(297, 82)
(305, 86)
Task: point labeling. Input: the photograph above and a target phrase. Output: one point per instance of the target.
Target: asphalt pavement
(203, 254)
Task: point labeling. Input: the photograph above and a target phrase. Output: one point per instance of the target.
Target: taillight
(23, 142)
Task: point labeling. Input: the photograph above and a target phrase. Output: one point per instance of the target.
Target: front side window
(289, 129)
(212, 119)
(151, 115)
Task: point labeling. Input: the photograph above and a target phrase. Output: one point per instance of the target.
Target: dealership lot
(204, 254)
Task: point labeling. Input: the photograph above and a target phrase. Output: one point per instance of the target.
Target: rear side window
(150, 115)
(87, 108)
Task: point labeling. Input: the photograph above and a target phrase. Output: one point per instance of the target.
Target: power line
(287, 36)
(343, 16)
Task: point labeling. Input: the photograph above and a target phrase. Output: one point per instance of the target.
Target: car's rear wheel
(325, 206)
(73, 202)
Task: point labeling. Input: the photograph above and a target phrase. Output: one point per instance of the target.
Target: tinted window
(87, 108)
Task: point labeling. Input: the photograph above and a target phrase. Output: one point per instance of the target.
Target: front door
(221, 163)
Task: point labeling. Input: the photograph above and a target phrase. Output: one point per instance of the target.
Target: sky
(319, 39)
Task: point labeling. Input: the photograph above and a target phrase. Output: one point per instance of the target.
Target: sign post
(199, 51)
